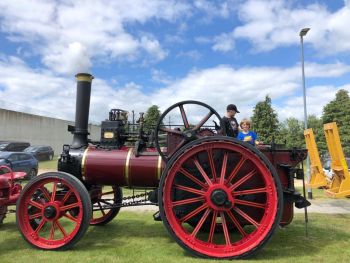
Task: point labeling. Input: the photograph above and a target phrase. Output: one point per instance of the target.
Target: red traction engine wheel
(53, 211)
(220, 198)
(102, 196)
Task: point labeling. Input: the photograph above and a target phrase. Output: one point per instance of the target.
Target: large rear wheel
(220, 198)
(53, 211)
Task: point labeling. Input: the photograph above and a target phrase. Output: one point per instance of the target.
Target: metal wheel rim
(241, 247)
(105, 215)
(165, 157)
(35, 236)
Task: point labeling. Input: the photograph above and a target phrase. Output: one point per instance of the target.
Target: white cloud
(40, 92)
(316, 98)
(62, 31)
(66, 60)
(280, 22)
(160, 77)
(224, 43)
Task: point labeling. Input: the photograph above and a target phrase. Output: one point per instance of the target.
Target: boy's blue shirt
(249, 137)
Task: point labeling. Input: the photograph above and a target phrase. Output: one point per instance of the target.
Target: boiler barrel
(121, 167)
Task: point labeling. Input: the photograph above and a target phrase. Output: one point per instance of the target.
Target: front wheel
(45, 207)
(220, 198)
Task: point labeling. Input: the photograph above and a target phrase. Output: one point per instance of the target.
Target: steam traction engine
(218, 197)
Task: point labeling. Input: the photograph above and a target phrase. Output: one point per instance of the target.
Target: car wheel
(31, 174)
(50, 157)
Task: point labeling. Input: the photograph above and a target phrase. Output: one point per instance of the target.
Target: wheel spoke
(204, 120)
(224, 227)
(249, 203)
(190, 176)
(105, 201)
(250, 191)
(65, 198)
(103, 212)
(60, 227)
(236, 169)
(242, 180)
(223, 168)
(188, 201)
(212, 164)
(168, 130)
(184, 117)
(194, 212)
(70, 217)
(37, 215)
(52, 231)
(203, 173)
(40, 226)
(237, 224)
(246, 217)
(36, 204)
(54, 190)
(212, 226)
(189, 189)
(201, 222)
(67, 207)
(46, 193)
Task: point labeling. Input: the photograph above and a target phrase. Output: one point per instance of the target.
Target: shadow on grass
(130, 231)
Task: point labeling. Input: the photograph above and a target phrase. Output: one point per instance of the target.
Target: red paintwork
(33, 207)
(264, 209)
(284, 157)
(9, 190)
(108, 167)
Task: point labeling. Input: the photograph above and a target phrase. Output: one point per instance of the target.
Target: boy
(229, 123)
(245, 134)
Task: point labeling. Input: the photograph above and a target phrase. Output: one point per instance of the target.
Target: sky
(143, 53)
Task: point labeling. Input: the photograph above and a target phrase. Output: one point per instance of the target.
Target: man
(229, 123)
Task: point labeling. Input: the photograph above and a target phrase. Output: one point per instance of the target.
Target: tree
(151, 118)
(338, 110)
(292, 132)
(265, 121)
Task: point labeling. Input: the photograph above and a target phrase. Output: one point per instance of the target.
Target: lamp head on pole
(304, 31)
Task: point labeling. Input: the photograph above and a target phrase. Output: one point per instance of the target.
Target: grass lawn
(135, 237)
(49, 164)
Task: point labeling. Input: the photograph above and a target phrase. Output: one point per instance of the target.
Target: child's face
(245, 126)
(231, 113)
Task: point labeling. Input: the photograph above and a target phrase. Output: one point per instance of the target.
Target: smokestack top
(84, 77)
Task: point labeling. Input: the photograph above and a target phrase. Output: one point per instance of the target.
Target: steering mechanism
(179, 135)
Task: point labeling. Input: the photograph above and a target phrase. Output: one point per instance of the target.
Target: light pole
(303, 33)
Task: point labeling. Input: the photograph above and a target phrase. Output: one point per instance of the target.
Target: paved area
(328, 206)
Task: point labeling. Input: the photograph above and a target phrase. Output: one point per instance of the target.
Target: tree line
(290, 132)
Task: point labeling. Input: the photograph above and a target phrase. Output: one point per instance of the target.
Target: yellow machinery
(317, 176)
(340, 184)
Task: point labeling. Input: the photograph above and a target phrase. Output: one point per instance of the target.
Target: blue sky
(161, 52)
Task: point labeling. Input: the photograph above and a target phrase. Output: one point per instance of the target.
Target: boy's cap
(232, 107)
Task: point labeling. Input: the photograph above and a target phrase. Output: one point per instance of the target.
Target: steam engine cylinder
(121, 167)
